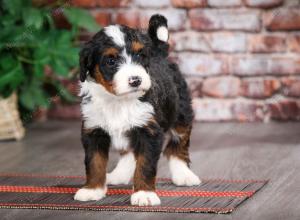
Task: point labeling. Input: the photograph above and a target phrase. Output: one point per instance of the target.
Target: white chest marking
(116, 115)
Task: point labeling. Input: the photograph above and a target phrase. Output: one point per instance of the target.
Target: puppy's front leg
(147, 144)
(96, 144)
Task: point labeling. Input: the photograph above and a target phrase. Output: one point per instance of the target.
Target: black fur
(149, 146)
(96, 141)
(168, 94)
(161, 48)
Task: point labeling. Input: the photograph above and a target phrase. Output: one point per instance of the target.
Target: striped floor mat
(56, 192)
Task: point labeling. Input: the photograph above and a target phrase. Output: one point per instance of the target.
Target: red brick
(285, 65)
(133, 18)
(212, 109)
(285, 109)
(84, 3)
(195, 86)
(228, 42)
(152, 3)
(266, 43)
(224, 3)
(259, 88)
(204, 42)
(113, 3)
(60, 19)
(248, 111)
(282, 19)
(39, 115)
(207, 109)
(129, 18)
(176, 17)
(191, 41)
(102, 18)
(202, 65)
(245, 66)
(291, 86)
(61, 111)
(221, 87)
(263, 65)
(292, 3)
(229, 19)
(294, 43)
(189, 3)
(72, 86)
(85, 36)
(263, 3)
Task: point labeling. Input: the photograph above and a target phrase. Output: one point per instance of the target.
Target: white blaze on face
(121, 79)
(127, 70)
(116, 34)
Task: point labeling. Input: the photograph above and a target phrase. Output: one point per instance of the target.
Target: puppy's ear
(158, 28)
(86, 61)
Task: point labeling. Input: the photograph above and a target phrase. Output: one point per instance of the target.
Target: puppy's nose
(134, 81)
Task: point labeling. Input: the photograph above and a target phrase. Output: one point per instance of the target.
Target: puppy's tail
(158, 32)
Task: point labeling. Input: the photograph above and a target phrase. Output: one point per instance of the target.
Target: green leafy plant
(30, 41)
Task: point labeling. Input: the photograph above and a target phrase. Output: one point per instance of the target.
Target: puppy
(136, 101)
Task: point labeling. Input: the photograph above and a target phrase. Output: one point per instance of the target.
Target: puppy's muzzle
(134, 81)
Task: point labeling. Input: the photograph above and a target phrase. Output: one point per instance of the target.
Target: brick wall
(241, 58)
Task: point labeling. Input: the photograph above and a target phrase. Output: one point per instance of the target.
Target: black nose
(134, 81)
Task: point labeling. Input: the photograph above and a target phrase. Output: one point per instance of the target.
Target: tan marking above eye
(111, 51)
(137, 46)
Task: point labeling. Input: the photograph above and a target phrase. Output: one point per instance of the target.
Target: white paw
(144, 198)
(115, 179)
(181, 173)
(85, 194)
(185, 178)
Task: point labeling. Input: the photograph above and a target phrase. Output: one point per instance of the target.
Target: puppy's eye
(138, 55)
(111, 61)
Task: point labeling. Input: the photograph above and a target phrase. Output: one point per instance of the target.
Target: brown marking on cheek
(180, 149)
(96, 171)
(137, 46)
(139, 179)
(111, 51)
(106, 84)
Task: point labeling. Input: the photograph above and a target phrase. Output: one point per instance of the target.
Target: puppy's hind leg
(177, 154)
(123, 172)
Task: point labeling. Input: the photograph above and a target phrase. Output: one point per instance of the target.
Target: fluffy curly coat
(137, 101)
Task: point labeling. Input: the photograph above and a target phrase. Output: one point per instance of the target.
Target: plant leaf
(13, 6)
(63, 92)
(81, 18)
(33, 17)
(59, 66)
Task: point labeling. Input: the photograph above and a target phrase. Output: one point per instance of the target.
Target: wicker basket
(10, 124)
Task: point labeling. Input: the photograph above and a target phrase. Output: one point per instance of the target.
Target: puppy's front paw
(144, 198)
(185, 178)
(85, 194)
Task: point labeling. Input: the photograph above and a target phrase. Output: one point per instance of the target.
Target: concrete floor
(219, 150)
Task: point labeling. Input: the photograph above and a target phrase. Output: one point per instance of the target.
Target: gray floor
(237, 151)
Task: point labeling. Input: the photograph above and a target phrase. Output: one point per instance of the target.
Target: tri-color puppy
(135, 100)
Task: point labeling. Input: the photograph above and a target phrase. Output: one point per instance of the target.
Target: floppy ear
(86, 61)
(158, 28)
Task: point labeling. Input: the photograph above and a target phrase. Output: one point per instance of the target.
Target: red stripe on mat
(163, 193)
(107, 207)
(82, 177)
